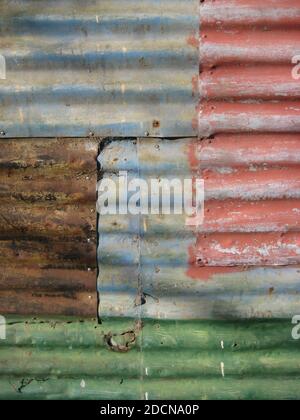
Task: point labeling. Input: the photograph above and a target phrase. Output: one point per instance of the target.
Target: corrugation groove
(48, 226)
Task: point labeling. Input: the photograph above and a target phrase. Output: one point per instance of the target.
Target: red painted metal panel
(248, 249)
(246, 51)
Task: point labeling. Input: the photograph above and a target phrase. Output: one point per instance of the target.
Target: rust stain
(195, 85)
(123, 342)
(192, 155)
(193, 39)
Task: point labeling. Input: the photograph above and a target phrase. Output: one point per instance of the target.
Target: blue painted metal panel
(103, 68)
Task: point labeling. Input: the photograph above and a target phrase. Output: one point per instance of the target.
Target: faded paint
(76, 68)
(246, 82)
(133, 71)
(250, 229)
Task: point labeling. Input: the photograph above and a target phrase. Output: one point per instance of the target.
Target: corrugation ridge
(243, 13)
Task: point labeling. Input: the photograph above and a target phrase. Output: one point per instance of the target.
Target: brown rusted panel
(48, 226)
(48, 171)
(47, 254)
(58, 279)
(47, 222)
(35, 153)
(35, 302)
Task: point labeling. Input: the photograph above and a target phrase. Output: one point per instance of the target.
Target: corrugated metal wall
(227, 98)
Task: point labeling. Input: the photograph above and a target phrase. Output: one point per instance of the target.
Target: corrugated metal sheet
(246, 51)
(242, 262)
(48, 226)
(67, 359)
(142, 69)
(105, 67)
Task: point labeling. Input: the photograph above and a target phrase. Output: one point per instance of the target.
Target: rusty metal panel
(48, 226)
(105, 67)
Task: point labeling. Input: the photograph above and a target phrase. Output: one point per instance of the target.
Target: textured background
(216, 77)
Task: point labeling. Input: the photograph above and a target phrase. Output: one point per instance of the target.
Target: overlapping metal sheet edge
(48, 226)
(64, 358)
(109, 68)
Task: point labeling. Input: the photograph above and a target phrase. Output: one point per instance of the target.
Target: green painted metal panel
(120, 359)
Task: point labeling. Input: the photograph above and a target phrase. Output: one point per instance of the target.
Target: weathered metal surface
(235, 264)
(133, 71)
(246, 51)
(99, 66)
(48, 226)
(66, 359)
(95, 68)
(242, 262)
